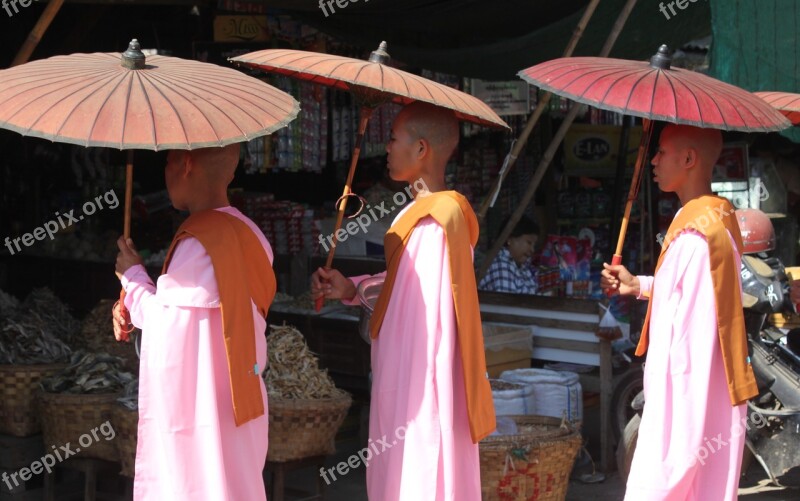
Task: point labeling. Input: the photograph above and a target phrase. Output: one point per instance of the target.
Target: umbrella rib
(46, 84)
(209, 80)
(171, 85)
(153, 127)
(254, 87)
(75, 108)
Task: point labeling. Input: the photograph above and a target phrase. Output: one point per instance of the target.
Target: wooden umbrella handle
(633, 192)
(123, 335)
(366, 113)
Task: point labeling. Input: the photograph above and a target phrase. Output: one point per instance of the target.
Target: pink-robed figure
(419, 427)
(692, 434)
(189, 447)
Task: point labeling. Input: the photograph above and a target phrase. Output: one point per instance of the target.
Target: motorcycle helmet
(758, 235)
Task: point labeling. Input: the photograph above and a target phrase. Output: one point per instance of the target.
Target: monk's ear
(423, 148)
(188, 164)
(691, 157)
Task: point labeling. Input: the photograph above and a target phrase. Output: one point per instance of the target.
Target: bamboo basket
(126, 425)
(301, 428)
(66, 418)
(18, 387)
(532, 465)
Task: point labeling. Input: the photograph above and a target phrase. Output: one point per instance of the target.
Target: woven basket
(304, 428)
(533, 465)
(126, 425)
(18, 387)
(70, 418)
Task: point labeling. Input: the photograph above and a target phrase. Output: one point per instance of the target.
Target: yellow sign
(592, 150)
(240, 29)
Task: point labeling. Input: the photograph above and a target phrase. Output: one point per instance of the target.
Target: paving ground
(352, 487)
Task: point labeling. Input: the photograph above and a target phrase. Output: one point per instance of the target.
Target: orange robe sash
(454, 214)
(243, 272)
(711, 216)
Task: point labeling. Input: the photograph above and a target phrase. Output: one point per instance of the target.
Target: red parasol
(785, 102)
(373, 83)
(131, 102)
(653, 91)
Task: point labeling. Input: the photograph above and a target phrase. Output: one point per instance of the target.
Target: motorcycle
(773, 424)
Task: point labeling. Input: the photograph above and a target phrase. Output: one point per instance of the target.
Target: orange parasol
(785, 102)
(132, 102)
(653, 91)
(373, 83)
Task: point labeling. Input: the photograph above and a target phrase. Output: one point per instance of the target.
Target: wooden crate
(506, 347)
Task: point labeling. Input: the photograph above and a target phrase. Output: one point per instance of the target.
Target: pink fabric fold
(418, 412)
(189, 447)
(690, 439)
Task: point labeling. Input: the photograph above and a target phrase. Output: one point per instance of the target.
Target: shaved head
(198, 179)
(218, 164)
(437, 125)
(707, 143)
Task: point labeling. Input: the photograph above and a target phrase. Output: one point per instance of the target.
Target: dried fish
(28, 340)
(45, 306)
(130, 396)
(89, 373)
(8, 304)
(293, 370)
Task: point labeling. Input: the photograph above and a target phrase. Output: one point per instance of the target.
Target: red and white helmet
(758, 235)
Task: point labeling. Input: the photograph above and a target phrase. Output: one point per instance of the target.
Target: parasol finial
(133, 58)
(661, 60)
(380, 55)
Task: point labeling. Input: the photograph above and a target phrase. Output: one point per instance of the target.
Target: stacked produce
(26, 342)
(37, 331)
(89, 373)
(305, 407)
(130, 395)
(293, 370)
(8, 304)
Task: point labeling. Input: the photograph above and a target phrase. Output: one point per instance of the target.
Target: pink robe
(691, 438)
(189, 447)
(418, 427)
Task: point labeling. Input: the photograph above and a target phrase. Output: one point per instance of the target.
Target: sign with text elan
(592, 150)
(240, 29)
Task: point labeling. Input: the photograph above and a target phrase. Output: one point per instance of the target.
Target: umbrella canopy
(371, 80)
(785, 102)
(129, 102)
(159, 103)
(373, 83)
(653, 91)
(656, 92)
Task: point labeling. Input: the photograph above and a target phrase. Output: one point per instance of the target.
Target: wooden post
(534, 118)
(35, 36)
(606, 389)
(548, 155)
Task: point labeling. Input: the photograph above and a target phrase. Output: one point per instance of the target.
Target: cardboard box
(240, 29)
(506, 347)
